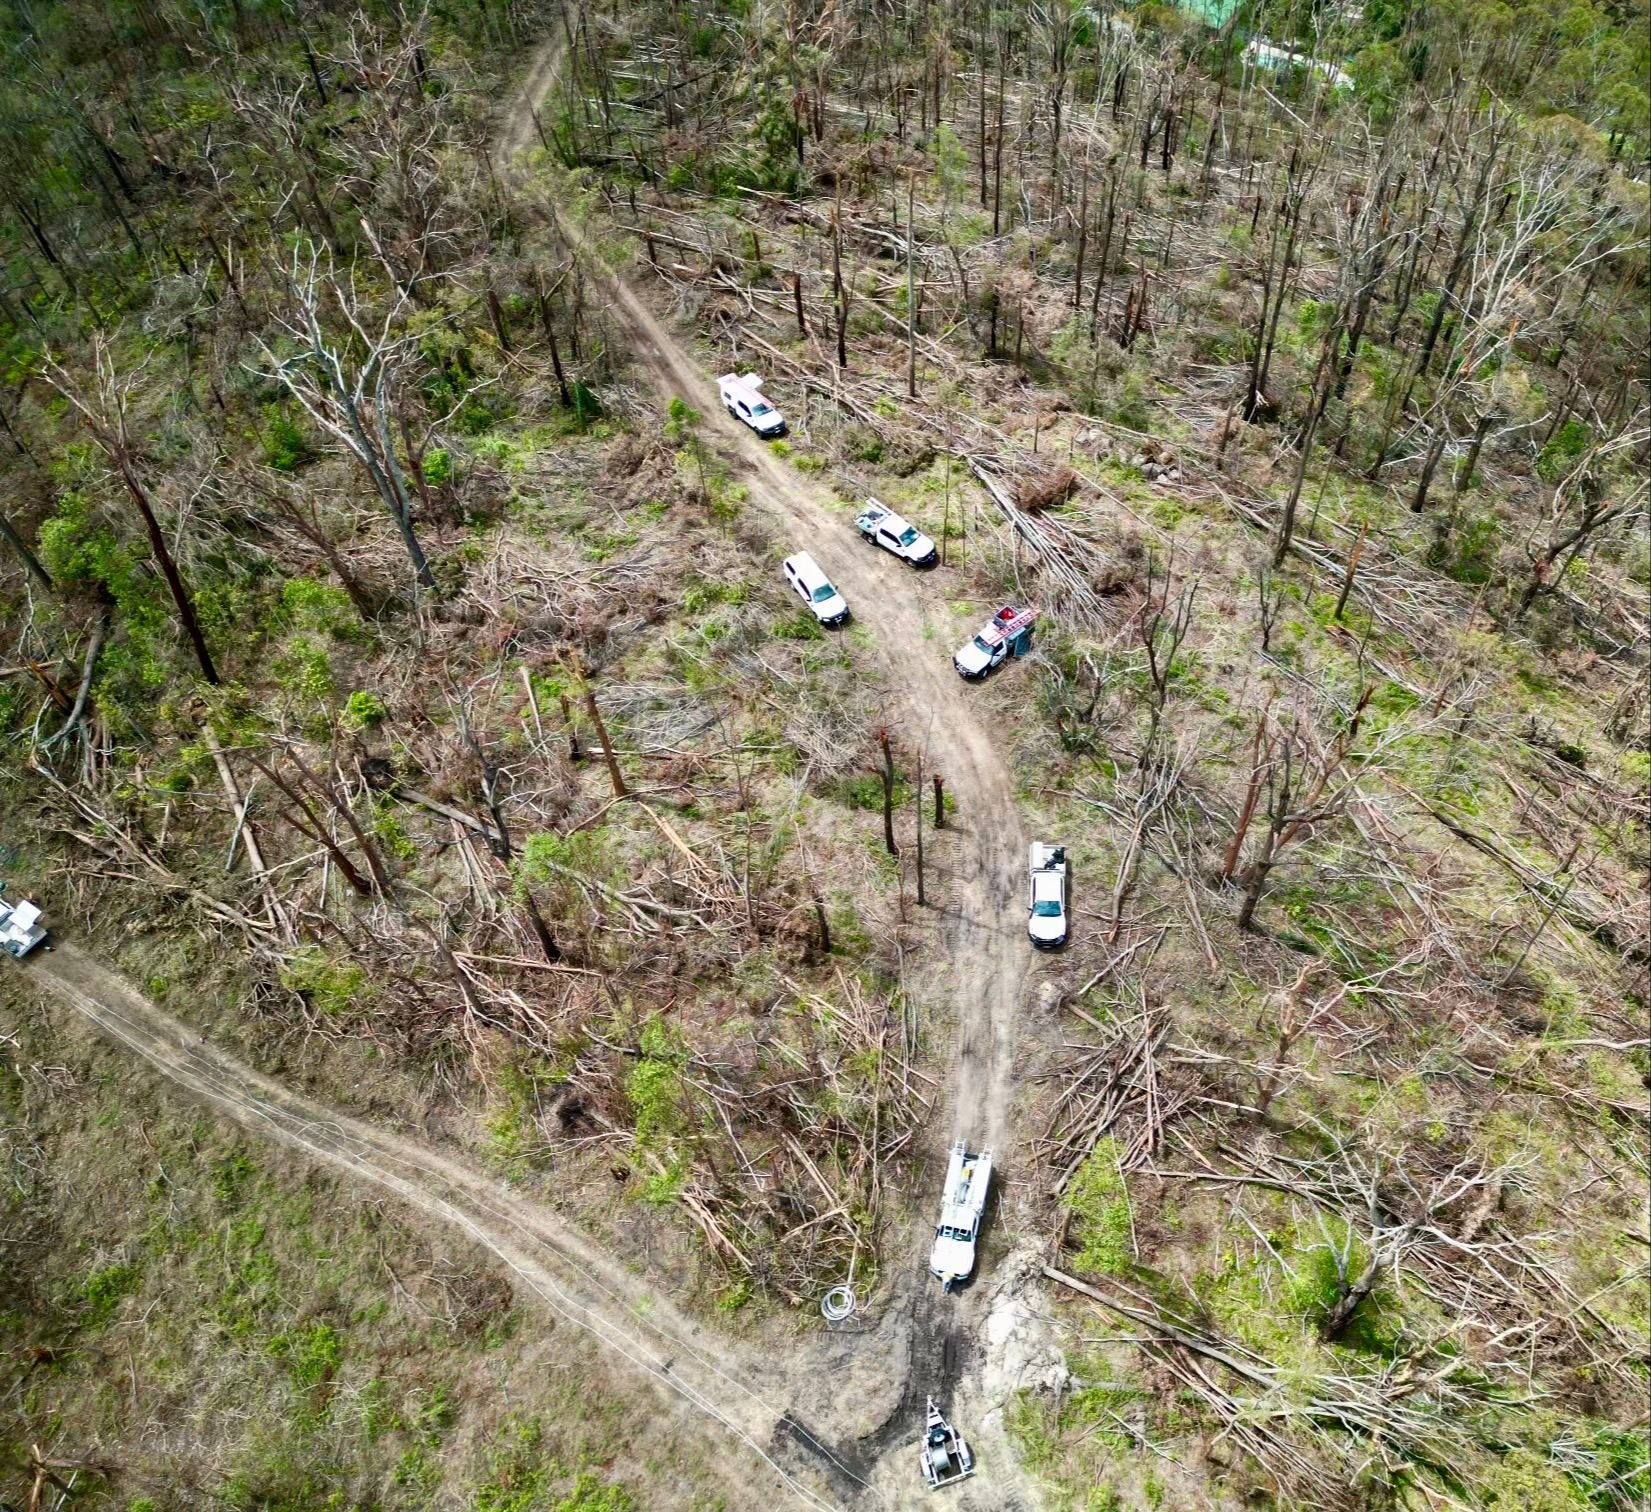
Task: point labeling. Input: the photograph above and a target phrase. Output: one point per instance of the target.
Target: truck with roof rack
(881, 526)
(1007, 633)
(962, 1204)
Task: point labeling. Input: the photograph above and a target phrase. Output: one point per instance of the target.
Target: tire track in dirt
(694, 1372)
(987, 961)
(911, 630)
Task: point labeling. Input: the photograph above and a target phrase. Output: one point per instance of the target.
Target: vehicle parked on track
(1047, 896)
(894, 533)
(968, 1178)
(20, 927)
(815, 589)
(743, 398)
(947, 1458)
(1007, 633)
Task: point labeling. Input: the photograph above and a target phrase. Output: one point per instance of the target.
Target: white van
(815, 589)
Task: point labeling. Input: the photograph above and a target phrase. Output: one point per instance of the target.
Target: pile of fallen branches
(1111, 1090)
(779, 1146)
(1436, 1226)
(1314, 1432)
(1070, 563)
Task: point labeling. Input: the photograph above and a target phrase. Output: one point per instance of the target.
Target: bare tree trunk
(911, 311)
(169, 568)
(887, 774)
(615, 776)
(1352, 568)
(917, 802)
(1341, 1315)
(1464, 473)
(21, 547)
(837, 280)
(549, 328)
(312, 826)
(1252, 794)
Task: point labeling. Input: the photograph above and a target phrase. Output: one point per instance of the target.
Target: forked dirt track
(985, 962)
(574, 1279)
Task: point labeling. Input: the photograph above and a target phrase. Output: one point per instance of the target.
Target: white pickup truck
(883, 527)
(743, 398)
(20, 927)
(1008, 632)
(1046, 896)
(968, 1177)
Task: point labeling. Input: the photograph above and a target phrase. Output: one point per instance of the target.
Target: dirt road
(911, 631)
(694, 1372)
(925, 1343)
(929, 1343)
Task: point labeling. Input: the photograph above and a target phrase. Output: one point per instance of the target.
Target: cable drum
(837, 1304)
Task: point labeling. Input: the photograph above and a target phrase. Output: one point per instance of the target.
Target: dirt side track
(547, 1257)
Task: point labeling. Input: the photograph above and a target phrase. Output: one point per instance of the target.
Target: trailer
(947, 1458)
(968, 1177)
(20, 927)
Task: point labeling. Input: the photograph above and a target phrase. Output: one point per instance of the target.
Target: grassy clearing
(305, 1348)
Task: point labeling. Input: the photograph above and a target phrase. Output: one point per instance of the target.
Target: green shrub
(332, 985)
(312, 1356)
(864, 445)
(655, 1091)
(1099, 1204)
(1563, 452)
(866, 791)
(286, 448)
(309, 604)
(1466, 550)
(800, 626)
(1525, 1482)
(590, 1494)
(103, 1289)
(364, 710)
(305, 671)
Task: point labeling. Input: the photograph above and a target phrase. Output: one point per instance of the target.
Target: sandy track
(548, 1257)
(985, 959)
(985, 944)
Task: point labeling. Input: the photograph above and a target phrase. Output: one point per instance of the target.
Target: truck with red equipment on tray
(1007, 633)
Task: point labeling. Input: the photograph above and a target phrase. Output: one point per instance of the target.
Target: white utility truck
(883, 527)
(947, 1457)
(20, 927)
(815, 589)
(1007, 633)
(1046, 895)
(744, 399)
(967, 1178)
